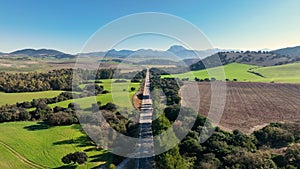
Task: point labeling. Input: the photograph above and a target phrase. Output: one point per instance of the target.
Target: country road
(145, 147)
(146, 144)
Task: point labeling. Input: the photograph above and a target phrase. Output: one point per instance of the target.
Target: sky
(68, 25)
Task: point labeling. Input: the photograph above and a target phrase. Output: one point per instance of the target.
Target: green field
(231, 71)
(120, 95)
(43, 146)
(12, 98)
(289, 73)
(8, 160)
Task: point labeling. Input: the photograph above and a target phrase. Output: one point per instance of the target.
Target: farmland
(43, 146)
(250, 105)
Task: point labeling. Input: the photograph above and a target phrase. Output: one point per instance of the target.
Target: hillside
(253, 58)
(41, 53)
(290, 51)
(232, 71)
(283, 73)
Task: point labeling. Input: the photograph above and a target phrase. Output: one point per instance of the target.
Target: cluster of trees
(56, 116)
(19, 112)
(238, 150)
(170, 86)
(209, 80)
(77, 157)
(61, 79)
(29, 82)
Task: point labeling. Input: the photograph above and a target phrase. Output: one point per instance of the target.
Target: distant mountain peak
(176, 48)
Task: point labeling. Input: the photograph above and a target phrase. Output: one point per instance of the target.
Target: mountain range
(190, 57)
(174, 51)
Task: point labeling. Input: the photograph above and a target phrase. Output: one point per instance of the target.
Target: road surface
(146, 145)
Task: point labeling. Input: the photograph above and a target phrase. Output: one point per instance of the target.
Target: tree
(292, 154)
(171, 160)
(190, 146)
(209, 160)
(24, 115)
(77, 157)
(274, 136)
(245, 159)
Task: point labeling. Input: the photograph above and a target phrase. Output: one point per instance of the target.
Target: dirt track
(22, 158)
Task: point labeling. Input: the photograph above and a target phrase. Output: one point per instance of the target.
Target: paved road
(146, 145)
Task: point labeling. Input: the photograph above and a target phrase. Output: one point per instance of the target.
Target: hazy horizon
(66, 26)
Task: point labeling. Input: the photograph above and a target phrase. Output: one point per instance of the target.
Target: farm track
(22, 158)
(249, 105)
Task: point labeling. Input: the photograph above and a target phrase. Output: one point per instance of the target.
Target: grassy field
(120, 94)
(44, 146)
(231, 71)
(11, 98)
(8, 160)
(289, 73)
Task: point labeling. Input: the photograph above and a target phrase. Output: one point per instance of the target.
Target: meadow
(44, 146)
(120, 94)
(231, 71)
(288, 73)
(9, 160)
(12, 98)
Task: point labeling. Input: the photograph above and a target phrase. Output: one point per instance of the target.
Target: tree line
(61, 79)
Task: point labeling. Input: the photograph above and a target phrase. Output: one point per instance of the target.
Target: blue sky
(67, 25)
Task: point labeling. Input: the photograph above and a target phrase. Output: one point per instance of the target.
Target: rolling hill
(290, 51)
(41, 53)
(232, 71)
(253, 58)
(289, 73)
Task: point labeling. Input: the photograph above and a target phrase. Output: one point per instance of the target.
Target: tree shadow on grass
(66, 167)
(82, 141)
(100, 157)
(38, 126)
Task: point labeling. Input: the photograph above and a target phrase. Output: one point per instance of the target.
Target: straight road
(146, 145)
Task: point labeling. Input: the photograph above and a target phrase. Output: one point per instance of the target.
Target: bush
(273, 136)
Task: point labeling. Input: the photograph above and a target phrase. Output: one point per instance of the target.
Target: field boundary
(22, 158)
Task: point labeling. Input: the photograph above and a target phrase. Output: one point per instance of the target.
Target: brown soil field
(251, 106)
